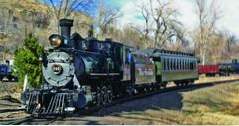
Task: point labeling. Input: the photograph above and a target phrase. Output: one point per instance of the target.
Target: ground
(212, 105)
(9, 101)
(206, 105)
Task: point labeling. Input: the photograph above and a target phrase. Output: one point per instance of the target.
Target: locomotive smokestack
(66, 25)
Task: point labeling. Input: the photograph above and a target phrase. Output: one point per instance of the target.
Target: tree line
(160, 29)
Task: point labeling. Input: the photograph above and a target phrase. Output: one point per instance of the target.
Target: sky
(229, 18)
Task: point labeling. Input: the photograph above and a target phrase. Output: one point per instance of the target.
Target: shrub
(26, 61)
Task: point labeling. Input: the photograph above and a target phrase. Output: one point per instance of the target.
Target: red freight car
(208, 70)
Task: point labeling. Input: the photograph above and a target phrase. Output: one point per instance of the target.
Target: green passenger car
(177, 67)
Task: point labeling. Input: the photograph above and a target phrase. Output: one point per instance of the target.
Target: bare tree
(106, 17)
(145, 13)
(164, 19)
(180, 34)
(231, 40)
(64, 8)
(208, 15)
(159, 21)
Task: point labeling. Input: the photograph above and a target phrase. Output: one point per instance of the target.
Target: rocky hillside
(22, 17)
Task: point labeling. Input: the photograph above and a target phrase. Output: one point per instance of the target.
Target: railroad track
(32, 120)
(11, 110)
(29, 120)
(16, 121)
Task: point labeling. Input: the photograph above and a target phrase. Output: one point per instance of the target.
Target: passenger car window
(184, 64)
(174, 64)
(187, 64)
(180, 65)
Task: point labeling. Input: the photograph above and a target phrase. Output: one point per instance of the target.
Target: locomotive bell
(66, 25)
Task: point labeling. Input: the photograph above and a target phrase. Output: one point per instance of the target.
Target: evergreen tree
(26, 61)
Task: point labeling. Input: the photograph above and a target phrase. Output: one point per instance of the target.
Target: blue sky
(92, 7)
(117, 3)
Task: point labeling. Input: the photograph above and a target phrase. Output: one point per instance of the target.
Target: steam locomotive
(80, 72)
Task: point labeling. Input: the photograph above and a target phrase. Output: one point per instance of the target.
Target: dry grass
(204, 79)
(214, 105)
(10, 89)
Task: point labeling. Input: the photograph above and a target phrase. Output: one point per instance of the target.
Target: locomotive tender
(81, 72)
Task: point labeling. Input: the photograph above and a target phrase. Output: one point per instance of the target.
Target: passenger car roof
(159, 52)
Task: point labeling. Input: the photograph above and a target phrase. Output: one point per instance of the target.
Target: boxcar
(208, 70)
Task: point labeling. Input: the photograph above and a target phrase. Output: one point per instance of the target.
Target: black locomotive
(81, 72)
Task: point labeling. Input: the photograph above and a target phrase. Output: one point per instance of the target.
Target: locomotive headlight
(57, 69)
(55, 40)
